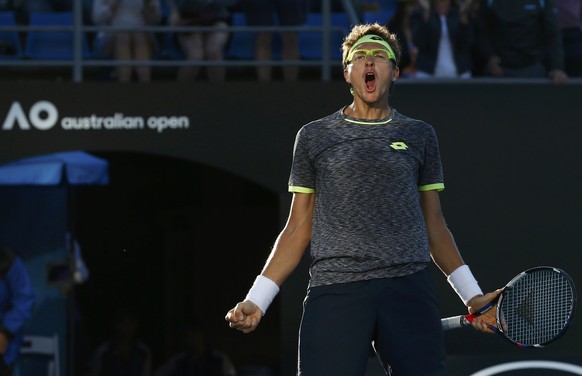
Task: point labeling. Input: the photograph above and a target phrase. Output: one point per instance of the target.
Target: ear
(347, 74)
(395, 73)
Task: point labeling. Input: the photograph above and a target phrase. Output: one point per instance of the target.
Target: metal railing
(78, 63)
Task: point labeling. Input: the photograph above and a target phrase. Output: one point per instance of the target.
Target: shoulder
(330, 120)
(415, 124)
(315, 127)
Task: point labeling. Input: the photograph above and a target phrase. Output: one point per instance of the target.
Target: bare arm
(292, 241)
(447, 257)
(443, 248)
(284, 258)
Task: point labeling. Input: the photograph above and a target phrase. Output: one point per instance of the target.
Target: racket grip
(454, 322)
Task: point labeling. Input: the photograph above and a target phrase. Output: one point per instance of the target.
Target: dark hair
(359, 31)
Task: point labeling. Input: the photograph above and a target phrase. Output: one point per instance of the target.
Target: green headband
(371, 38)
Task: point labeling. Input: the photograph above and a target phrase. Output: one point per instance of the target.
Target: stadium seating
(242, 43)
(382, 17)
(52, 45)
(311, 42)
(10, 45)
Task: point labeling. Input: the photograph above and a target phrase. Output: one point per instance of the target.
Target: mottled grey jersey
(366, 177)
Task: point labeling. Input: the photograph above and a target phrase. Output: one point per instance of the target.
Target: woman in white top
(443, 34)
(128, 45)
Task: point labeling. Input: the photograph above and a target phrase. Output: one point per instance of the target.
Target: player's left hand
(488, 318)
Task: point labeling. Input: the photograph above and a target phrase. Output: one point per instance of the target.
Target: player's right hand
(244, 317)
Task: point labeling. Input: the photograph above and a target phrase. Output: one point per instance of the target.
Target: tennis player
(365, 183)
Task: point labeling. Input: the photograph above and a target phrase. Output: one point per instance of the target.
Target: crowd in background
(439, 38)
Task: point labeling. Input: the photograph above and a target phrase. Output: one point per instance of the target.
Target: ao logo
(43, 115)
(531, 364)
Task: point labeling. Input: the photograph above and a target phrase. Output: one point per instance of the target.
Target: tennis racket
(534, 309)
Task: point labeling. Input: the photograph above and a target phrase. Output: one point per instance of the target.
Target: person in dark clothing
(570, 20)
(16, 304)
(272, 13)
(124, 354)
(198, 357)
(399, 24)
(516, 33)
(202, 45)
(443, 35)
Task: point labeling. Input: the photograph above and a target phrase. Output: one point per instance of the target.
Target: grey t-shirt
(366, 177)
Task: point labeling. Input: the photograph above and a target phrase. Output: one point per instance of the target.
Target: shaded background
(190, 215)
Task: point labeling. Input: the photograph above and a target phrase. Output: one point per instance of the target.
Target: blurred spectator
(570, 21)
(197, 46)
(443, 34)
(338, 5)
(29, 6)
(16, 303)
(24, 8)
(6, 5)
(198, 358)
(400, 25)
(266, 13)
(128, 45)
(515, 35)
(124, 354)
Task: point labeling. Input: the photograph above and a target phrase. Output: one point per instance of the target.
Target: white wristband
(464, 284)
(262, 292)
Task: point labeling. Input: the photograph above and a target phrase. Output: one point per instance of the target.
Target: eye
(360, 55)
(380, 55)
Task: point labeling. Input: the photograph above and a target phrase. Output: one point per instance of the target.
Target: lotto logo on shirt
(399, 145)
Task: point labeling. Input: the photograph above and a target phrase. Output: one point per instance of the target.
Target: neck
(367, 112)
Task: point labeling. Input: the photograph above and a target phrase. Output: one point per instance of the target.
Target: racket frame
(509, 286)
(455, 322)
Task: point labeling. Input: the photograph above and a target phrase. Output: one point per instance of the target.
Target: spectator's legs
(192, 47)
(263, 51)
(214, 45)
(291, 13)
(290, 41)
(123, 52)
(143, 52)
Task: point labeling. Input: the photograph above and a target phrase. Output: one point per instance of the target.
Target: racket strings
(537, 307)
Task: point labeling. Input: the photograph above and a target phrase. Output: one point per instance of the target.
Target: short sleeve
(302, 177)
(431, 170)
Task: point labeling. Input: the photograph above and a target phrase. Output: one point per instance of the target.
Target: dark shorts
(275, 12)
(397, 318)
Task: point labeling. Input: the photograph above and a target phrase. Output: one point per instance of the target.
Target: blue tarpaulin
(37, 200)
(71, 167)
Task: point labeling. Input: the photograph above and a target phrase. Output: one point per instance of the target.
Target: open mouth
(370, 81)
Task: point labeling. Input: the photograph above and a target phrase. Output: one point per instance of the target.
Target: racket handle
(454, 322)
